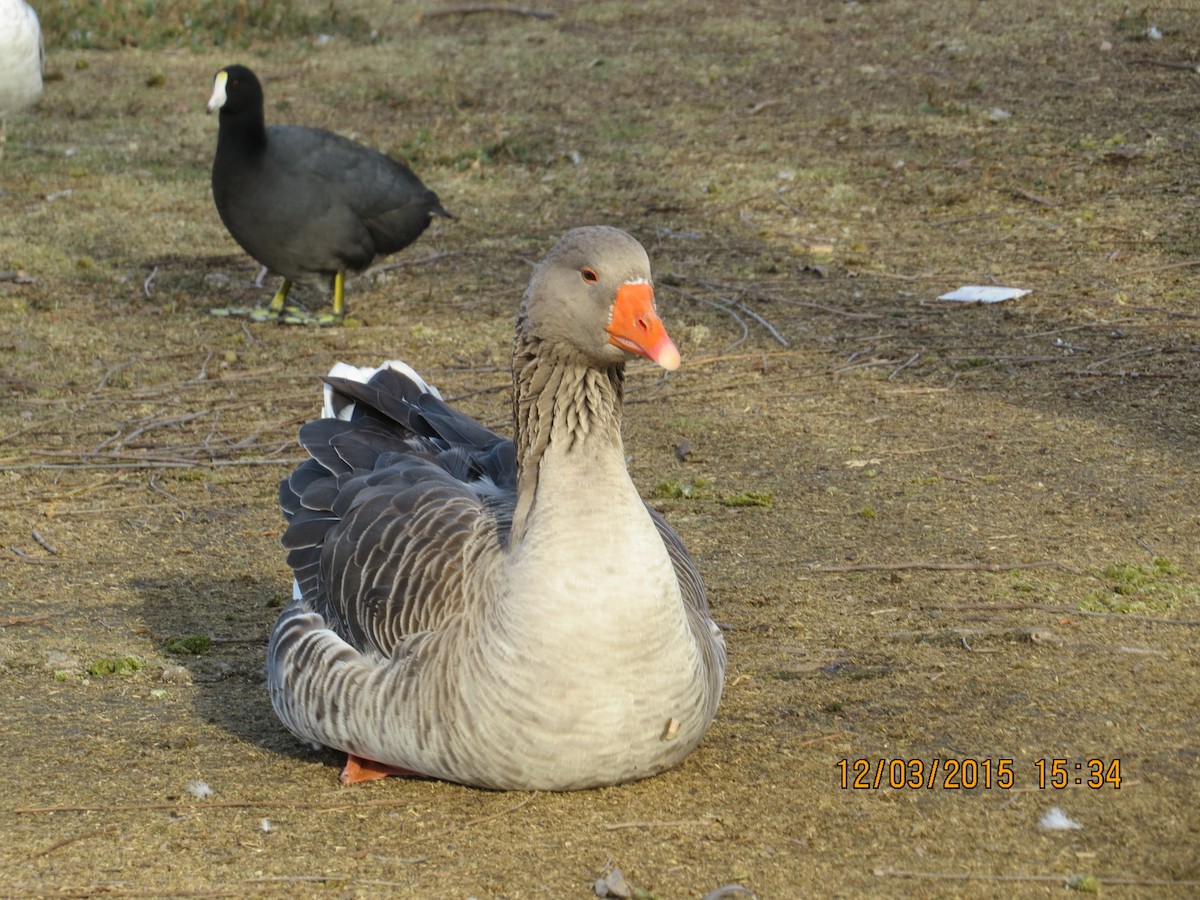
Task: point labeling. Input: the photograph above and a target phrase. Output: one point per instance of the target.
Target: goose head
(592, 298)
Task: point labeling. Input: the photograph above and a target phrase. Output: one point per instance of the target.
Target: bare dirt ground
(976, 531)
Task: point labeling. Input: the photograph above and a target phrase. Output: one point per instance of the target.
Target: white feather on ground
(1057, 820)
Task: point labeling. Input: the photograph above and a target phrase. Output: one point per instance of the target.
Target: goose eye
(589, 275)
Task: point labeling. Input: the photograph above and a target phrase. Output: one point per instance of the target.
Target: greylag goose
(307, 203)
(20, 60)
(503, 614)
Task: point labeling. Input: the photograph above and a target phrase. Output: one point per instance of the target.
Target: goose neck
(562, 404)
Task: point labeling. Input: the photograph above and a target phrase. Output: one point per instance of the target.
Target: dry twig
(195, 806)
(673, 823)
(1062, 611)
(716, 289)
(1033, 198)
(412, 263)
(1060, 879)
(470, 823)
(911, 360)
(25, 557)
(43, 543)
(948, 567)
(467, 9)
(1165, 64)
(24, 620)
(144, 463)
(111, 829)
(725, 309)
(824, 737)
(148, 284)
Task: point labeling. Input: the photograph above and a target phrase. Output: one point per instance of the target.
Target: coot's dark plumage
(306, 202)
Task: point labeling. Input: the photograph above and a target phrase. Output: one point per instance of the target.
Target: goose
(21, 60)
(305, 202)
(504, 614)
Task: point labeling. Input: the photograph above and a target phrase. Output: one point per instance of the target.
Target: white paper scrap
(983, 293)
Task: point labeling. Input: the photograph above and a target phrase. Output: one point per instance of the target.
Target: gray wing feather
(395, 505)
(695, 603)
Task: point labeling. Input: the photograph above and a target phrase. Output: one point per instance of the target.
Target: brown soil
(981, 535)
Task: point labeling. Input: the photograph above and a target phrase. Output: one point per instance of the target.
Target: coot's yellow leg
(339, 295)
(280, 297)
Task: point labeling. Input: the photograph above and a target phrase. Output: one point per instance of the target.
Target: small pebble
(176, 674)
(58, 661)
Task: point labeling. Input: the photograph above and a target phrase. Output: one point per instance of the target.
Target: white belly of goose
(574, 681)
(608, 681)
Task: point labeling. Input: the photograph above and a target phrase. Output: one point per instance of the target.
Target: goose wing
(402, 502)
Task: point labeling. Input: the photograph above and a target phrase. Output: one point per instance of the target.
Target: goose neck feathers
(562, 402)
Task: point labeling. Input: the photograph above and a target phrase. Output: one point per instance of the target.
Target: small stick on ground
(725, 309)
(1060, 610)
(152, 464)
(467, 9)
(716, 289)
(44, 544)
(912, 359)
(832, 310)
(959, 478)
(148, 284)
(673, 823)
(58, 845)
(23, 620)
(736, 357)
(1186, 264)
(948, 567)
(1141, 542)
(194, 806)
(824, 737)
(1165, 64)
(342, 880)
(470, 823)
(780, 192)
(1061, 879)
(411, 263)
(1032, 198)
(25, 557)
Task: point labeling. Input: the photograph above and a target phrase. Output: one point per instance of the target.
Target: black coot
(306, 202)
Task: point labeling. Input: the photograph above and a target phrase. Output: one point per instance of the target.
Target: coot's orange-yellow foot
(358, 770)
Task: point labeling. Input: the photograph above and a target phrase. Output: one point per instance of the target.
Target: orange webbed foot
(358, 770)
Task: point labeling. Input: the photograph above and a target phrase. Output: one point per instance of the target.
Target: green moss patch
(192, 645)
(1137, 588)
(115, 665)
(749, 498)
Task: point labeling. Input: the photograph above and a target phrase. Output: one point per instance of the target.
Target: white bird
(21, 60)
(504, 614)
